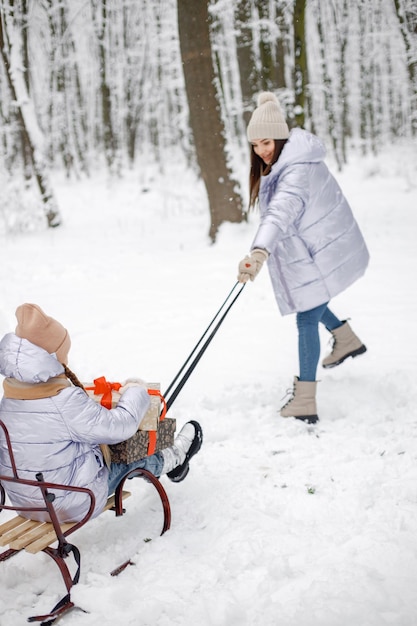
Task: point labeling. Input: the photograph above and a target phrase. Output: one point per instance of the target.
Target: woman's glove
(251, 265)
(133, 382)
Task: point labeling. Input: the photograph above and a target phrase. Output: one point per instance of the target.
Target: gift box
(144, 442)
(155, 431)
(108, 395)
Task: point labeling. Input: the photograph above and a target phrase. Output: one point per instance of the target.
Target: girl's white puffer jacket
(315, 245)
(60, 435)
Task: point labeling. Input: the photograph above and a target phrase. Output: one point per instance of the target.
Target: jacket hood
(22, 360)
(301, 147)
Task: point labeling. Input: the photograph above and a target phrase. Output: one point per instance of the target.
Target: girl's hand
(133, 382)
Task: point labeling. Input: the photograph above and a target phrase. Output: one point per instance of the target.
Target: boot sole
(357, 352)
(309, 419)
(179, 473)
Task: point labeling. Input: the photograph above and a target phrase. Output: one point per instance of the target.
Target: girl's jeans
(153, 464)
(308, 338)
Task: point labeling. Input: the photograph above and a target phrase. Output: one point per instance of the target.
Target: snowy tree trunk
(244, 44)
(205, 116)
(265, 45)
(134, 75)
(11, 52)
(261, 49)
(326, 28)
(406, 11)
(66, 119)
(300, 63)
(367, 61)
(102, 26)
(343, 89)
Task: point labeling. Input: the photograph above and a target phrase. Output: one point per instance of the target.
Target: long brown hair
(258, 168)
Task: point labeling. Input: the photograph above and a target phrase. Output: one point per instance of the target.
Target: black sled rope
(172, 392)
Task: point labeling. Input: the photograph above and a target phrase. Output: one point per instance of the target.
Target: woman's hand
(251, 265)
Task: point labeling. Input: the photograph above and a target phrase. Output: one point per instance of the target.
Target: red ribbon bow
(103, 388)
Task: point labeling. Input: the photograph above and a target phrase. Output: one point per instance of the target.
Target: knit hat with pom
(43, 331)
(267, 121)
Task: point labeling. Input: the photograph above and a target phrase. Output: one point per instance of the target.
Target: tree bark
(109, 136)
(407, 18)
(205, 115)
(300, 63)
(245, 58)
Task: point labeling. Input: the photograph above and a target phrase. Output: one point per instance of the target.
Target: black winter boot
(186, 444)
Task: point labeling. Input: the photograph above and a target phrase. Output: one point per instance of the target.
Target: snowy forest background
(122, 126)
(92, 83)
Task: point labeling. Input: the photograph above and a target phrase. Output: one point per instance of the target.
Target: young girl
(56, 429)
(309, 238)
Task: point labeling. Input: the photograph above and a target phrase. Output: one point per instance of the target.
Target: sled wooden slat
(22, 526)
(39, 538)
(9, 525)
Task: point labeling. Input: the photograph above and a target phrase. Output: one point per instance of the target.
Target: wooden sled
(22, 533)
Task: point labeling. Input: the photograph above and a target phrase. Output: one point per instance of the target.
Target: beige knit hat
(267, 121)
(43, 331)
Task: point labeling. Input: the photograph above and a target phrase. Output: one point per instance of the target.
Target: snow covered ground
(278, 523)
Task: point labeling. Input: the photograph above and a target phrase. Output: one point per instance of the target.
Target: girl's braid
(72, 377)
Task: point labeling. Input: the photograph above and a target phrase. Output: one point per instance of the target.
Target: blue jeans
(308, 338)
(153, 464)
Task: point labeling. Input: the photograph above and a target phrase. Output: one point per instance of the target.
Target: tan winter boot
(345, 344)
(303, 403)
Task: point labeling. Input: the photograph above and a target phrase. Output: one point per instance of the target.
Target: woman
(309, 238)
(56, 429)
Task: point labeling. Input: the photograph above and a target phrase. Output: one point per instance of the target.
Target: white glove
(251, 265)
(133, 382)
